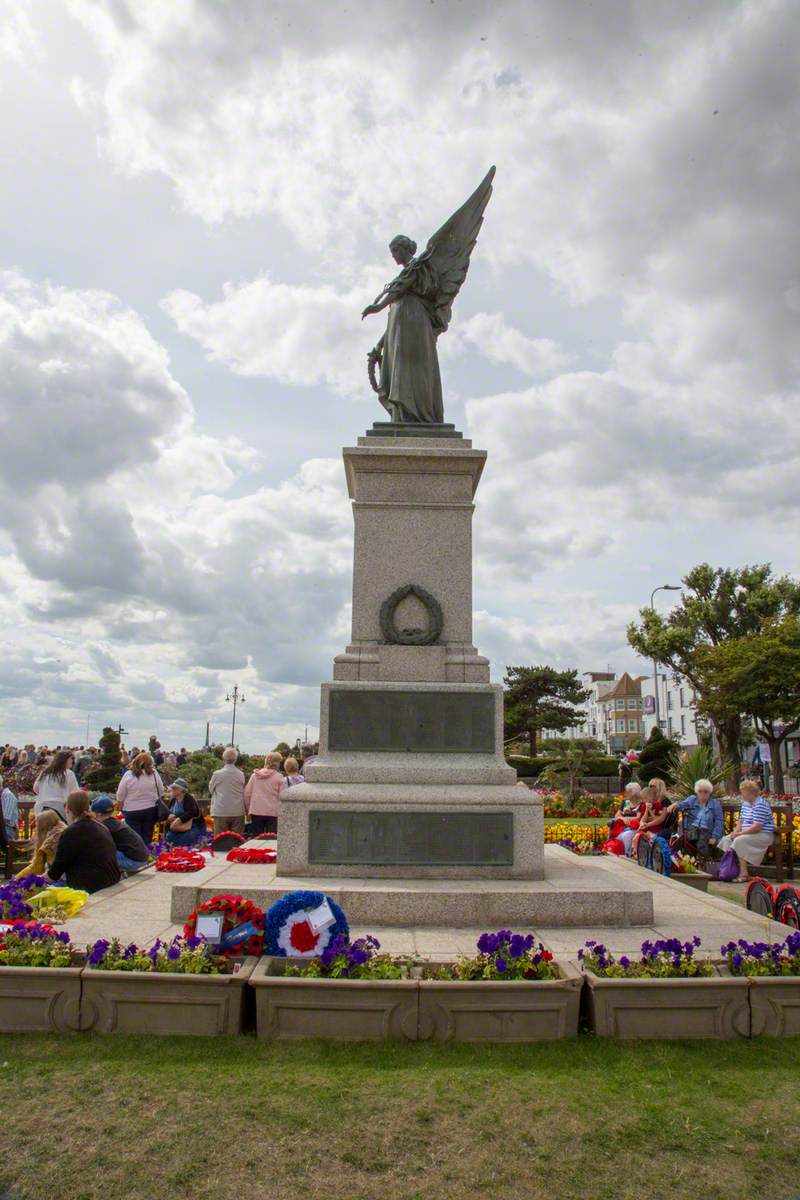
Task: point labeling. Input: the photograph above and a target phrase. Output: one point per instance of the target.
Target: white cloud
(492, 336)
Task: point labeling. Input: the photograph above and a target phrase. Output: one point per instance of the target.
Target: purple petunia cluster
(352, 955)
(507, 955)
(13, 906)
(664, 958)
(763, 958)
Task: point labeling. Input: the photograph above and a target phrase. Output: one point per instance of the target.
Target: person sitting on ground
(753, 832)
(54, 783)
(132, 853)
(261, 795)
(10, 812)
(85, 854)
(226, 789)
(48, 830)
(703, 821)
(185, 824)
(291, 768)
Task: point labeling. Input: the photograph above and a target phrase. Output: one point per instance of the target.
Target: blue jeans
(129, 865)
(190, 838)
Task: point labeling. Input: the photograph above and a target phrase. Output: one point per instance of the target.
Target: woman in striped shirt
(752, 834)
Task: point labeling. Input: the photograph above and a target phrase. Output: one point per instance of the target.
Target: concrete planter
(345, 1009)
(140, 1002)
(775, 1005)
(40, 998)
(669, 1009)
(696, 879)
(493, 1011)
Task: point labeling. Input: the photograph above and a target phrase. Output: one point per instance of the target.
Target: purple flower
(517, 947)
(737, 961)
(501, 964)
(98, 951)
(624, 961)
(193, 942)
(174, 953)
(488, 943)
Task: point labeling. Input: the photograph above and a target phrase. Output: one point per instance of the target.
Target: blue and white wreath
(289, 932)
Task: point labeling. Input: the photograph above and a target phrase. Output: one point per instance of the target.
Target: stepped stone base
(576, 893)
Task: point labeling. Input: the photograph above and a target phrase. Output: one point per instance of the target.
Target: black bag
(162, 809)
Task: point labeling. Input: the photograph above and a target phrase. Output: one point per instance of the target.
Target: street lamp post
(235, 697)
(664, 587)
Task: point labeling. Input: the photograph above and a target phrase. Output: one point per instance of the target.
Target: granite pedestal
(411, 781)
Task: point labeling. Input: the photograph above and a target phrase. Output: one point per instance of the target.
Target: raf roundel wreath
(288, 932)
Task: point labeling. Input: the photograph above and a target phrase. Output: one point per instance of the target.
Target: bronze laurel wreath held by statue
(404, 365)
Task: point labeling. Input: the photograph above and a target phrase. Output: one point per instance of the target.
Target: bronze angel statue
(421, 300)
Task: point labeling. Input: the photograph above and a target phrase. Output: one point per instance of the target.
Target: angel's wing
(450, 248)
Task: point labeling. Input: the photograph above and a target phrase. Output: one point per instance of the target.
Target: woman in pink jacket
(138, 794)
(261, 796)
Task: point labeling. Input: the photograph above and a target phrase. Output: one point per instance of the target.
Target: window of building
(669, 726)
(683, 724)
(620, 704)
(631, 704)
(633, 726)
(620, 726)
(669, 699)
(683, 698)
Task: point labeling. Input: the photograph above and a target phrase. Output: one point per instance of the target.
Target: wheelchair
(781, 901)
(654, 850)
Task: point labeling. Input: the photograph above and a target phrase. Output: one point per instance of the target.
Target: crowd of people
(91, 843)
(647, 811)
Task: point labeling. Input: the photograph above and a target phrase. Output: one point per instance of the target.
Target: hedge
(531, 768)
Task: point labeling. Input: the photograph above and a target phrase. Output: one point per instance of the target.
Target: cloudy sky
(197, 199)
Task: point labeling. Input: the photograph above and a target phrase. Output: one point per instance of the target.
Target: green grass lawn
(88, 1118)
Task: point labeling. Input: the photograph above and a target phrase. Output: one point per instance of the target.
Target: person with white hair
(630, 812)
(226, 789)
(703, 820)
(754, 830)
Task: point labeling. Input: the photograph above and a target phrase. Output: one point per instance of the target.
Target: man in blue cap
(132, 853)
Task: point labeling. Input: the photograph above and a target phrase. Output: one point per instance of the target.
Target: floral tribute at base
(668, 958)
(242, 926)
(302, 924)
(251, 854)
(180, 861)
(762, 958)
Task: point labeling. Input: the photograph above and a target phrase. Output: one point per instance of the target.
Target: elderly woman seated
(185, 824)
(703, 822)
(629, 814)
(752, 835)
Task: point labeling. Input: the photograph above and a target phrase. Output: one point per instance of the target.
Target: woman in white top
(139, 792)
(54, 783)
(291, 769)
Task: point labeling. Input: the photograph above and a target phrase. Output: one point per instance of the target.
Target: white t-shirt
(52, 794)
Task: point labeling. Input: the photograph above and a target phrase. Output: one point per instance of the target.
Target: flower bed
(40, 980)
(773, 974)
(170, 989)
(667, 993)
(512, 990)
(581, 839)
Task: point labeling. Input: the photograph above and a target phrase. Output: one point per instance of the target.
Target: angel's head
(403, 249)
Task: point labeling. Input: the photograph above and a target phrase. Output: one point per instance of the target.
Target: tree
(758, 675)
(539, 698)
(105, 776)
(566, 771)
(654, 759)
(718, 605)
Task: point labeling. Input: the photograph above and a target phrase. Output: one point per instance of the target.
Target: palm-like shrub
(686, 766)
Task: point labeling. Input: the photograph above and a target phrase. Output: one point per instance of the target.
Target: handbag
(162, 809)
(728, 867)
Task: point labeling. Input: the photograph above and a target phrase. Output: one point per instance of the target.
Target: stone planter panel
(775, 1006)
(668, 1009)
(696, 879)
(165, 1005)
(33, 999)
(344, 1009)
(491, 1011)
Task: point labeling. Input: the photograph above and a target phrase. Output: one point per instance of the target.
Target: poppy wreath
(227, 840)
(180, 860)
(251, 854)
(288, 931)
(235, 912)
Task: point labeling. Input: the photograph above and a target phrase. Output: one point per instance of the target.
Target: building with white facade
(612, 714)
(676, 703)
